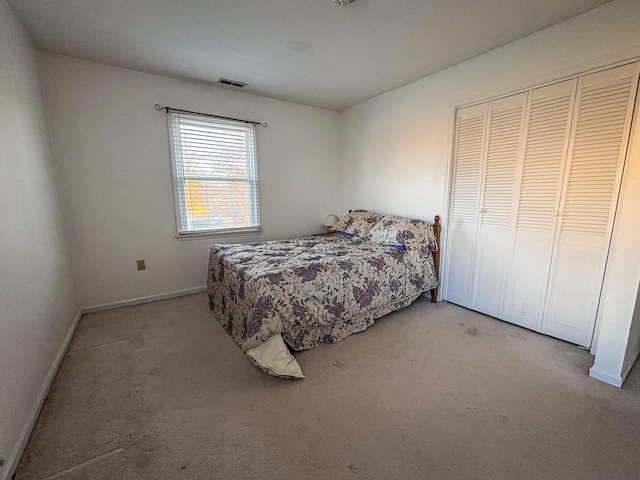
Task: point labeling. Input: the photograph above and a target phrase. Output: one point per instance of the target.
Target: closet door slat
(465, 197)
(604, 109)
(546, 142)
(502, 153)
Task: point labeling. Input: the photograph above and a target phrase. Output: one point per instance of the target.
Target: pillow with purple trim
(392, 230)
(403, 233)
(357, 223)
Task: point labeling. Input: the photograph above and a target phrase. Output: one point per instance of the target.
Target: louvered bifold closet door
(465, 196)
(537, 202)
(599, 137)
(503, 149)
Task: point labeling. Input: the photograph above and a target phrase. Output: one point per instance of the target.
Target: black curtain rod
(169, 109)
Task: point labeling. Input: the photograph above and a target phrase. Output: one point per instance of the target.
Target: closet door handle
(482, 210)
(555, 213)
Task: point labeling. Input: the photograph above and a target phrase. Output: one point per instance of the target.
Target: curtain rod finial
(158, 106)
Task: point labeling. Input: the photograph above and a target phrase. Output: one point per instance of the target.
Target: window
(215, 174)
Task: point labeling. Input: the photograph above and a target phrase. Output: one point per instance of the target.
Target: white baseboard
(141, 300)
(606, 378)
(15, 457)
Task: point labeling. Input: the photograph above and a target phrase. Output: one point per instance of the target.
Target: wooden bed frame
(436, 256)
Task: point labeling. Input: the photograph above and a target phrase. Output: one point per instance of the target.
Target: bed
(320, 289)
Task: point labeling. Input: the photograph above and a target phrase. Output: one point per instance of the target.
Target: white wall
(395, 148)
(619, 327)
(38, 303)
(633, 345)
(111, 148)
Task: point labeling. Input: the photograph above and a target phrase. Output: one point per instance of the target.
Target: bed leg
(434, 295)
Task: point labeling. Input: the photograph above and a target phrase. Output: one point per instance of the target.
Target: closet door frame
(449, 190)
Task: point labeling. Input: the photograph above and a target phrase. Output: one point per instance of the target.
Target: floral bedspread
(311, 290)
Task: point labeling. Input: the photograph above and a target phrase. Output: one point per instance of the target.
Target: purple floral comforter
(311, 290)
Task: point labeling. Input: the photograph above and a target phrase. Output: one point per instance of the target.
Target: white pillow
(274, 357)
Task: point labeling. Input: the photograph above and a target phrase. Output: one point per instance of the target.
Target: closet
(535, 182)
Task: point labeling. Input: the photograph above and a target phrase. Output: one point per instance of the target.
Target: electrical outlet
(141, 265)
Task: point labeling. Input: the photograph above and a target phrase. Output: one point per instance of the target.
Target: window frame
(175, 120)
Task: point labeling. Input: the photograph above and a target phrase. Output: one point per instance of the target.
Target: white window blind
(215, 174)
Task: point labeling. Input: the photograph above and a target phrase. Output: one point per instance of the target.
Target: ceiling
(312, 52)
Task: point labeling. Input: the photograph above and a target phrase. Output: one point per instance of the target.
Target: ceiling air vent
(232, 83)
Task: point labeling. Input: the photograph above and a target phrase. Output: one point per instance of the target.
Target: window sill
(219, 233)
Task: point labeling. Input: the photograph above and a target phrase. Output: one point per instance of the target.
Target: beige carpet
(159, 391)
